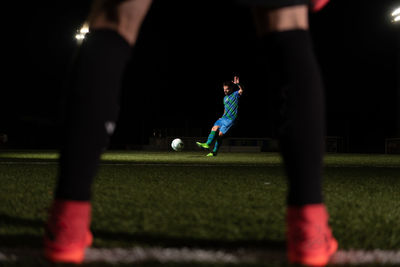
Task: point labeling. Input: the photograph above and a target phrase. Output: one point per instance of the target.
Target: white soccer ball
(177, 144)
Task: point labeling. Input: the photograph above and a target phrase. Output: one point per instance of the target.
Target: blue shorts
(224, 124)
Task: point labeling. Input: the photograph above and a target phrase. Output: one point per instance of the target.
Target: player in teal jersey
(228, 119)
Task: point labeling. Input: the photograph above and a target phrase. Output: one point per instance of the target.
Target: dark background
(186, 49)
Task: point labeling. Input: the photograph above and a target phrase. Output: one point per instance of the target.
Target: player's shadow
(20, 239)
(196, 156)
(148, 239)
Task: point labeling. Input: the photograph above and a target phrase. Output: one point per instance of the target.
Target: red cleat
(309, 237)
(67, 231)
(317, 5)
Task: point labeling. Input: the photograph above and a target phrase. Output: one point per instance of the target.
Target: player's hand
(236, 79)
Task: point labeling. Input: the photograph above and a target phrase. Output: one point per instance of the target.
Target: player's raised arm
(236, 81)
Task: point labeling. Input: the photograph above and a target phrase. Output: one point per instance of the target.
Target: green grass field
(183, 199)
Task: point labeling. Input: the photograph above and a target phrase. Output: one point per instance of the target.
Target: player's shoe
(211, 154)
(67, 232)
(203, 145)
(309, 237)
(317, 5)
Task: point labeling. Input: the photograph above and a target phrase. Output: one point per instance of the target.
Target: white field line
(105, 163)
(139, 164)
(28, 163)
(181, 255)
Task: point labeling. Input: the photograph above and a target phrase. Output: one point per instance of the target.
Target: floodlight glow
(84, 29)
(82, 32)
(396, 12)
(80, 36)
(396, 15)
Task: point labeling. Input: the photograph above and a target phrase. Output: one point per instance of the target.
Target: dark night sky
(185, 50)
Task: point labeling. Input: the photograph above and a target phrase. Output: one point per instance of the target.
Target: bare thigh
(125, 17)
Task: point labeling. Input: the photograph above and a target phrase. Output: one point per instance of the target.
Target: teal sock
(218, 143)
(211, 137)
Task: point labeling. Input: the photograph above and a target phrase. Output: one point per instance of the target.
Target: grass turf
(186, 199)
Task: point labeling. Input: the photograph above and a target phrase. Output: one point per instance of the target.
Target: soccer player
(228, 119)
(93, 108)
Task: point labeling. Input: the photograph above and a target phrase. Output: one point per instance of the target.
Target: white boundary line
(357, 257)
(182, 255)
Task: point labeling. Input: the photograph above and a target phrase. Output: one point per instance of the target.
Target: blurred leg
(91, 115)
(92, 111)
(94, 85)
(122, 16)
(302, 130)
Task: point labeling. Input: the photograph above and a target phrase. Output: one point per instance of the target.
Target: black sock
(91, 112)
(302, 127)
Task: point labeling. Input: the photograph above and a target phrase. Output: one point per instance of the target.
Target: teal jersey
(231, 105)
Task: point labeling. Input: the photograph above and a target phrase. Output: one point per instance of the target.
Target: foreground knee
(123, 16)
(281, 19)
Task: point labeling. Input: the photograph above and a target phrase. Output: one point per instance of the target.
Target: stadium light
(396, 15)
(81, 33)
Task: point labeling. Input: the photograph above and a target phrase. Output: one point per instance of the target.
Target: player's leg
(289, 46)
(91, 114)
(213, 134)
(211, 137)
(218, 143)
(225, 126)
(302, 128)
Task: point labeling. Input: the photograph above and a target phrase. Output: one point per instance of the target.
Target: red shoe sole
(71, 255)
(315, 260)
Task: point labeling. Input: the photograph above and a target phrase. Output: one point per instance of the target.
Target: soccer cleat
(203, 145)
(309, 237)
(317, 5)
(67, 232)
(211, 154)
